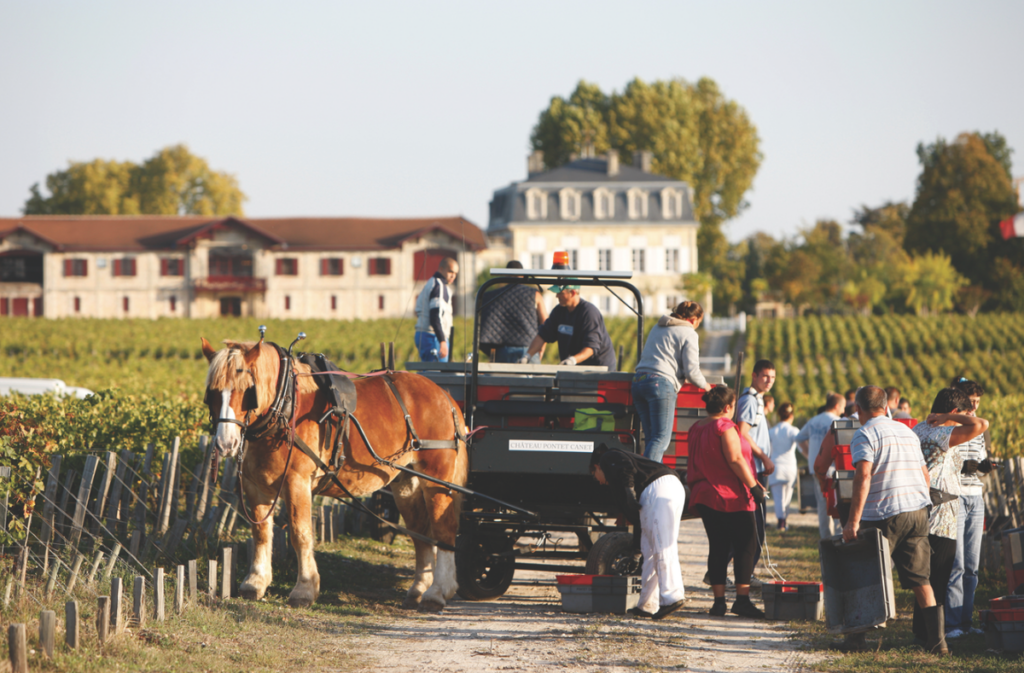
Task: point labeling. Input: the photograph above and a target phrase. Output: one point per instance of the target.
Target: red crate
(575, 579)
(1007, 615)
(909, 422)
(1007, 603)
(842, 457)
(690, 397)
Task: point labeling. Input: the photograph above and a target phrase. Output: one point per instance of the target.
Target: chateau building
(607, 216)
(201, 267)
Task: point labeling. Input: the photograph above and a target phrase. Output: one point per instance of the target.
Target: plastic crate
(1010, 635)
(599, 593)
(679, 443)
(1013, 558)
(844, 485)
(859, 593)
(690, 397)
(909, 422)
(842, 458)
(843, 430)
(1006, 603)
(792, 601)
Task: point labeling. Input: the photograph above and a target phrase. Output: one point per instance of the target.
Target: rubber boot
(935, 624)
(918, 628)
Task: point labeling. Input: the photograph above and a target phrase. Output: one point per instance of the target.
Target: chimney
(613, 163)
(642, 160)
(535, 162)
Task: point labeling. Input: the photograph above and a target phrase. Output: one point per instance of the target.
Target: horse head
(240, 387)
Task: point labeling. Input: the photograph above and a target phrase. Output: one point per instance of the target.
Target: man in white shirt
(809, 440)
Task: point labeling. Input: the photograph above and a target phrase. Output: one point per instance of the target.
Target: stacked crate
(1003, 624)
(689, 410)
(1013, 559)
(599, 593)
(842, 432)
(792, 601)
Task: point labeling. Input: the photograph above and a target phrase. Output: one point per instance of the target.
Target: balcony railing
(230, 284)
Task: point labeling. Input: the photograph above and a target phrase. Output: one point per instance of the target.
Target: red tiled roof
(158, 232)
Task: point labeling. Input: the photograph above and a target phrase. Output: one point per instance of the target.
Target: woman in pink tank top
(724, 491)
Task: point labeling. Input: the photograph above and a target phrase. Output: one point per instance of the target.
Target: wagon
(529, 450)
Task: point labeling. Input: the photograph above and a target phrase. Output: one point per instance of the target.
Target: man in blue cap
(579, 329)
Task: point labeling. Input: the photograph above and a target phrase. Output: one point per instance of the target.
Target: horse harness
(337, 384)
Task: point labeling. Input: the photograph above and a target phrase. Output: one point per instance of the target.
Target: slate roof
(595, 170)
(156, 232)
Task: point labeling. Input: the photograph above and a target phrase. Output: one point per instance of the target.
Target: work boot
(851, 642)
(719, 608)
(935, 624)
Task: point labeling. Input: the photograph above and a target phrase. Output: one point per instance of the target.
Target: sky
(425, 108)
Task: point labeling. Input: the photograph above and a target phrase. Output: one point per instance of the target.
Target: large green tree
(171, 182)
(963, 192)
(695, 134)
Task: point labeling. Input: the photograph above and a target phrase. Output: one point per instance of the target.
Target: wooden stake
(193, 580)
(136, 542)
(179, 590)
(52, 582)
(158, 595)
(95, 566)
(211, 579)
(47, 631)
(116, 605)
(225, 582)
(71, 631)
(82, 500)
(139, 602)
(75, 567)
(18, 648)
(103, 618)
(110, 465)
(49, 497)
(114, 553)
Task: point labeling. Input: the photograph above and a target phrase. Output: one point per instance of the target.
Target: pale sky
(424, 108)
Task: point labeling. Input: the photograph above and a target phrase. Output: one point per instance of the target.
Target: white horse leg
(307, 585)
(444, 522)
(444, 586)
(424, 575)
(256, 582)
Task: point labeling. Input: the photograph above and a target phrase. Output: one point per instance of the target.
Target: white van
(40, 386)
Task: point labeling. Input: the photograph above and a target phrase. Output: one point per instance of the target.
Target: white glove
(523, 360)
(571, 360)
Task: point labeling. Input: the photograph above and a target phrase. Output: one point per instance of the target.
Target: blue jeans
(963, 581)
(429, 347)
(655, 400)
(510, 353)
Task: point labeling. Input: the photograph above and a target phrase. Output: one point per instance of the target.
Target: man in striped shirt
(890, 493)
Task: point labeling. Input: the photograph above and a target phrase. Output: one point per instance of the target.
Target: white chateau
(608, 216)
(201, 267)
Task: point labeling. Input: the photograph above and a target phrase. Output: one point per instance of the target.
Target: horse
(242, 383)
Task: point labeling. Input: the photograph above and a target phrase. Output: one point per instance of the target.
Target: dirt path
(527, 631)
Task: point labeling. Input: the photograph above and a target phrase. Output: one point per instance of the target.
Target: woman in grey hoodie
(670, 356)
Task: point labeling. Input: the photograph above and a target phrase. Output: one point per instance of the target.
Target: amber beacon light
(561, 260)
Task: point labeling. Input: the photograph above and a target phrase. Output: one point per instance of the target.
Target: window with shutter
(332, 266)
(379, 266)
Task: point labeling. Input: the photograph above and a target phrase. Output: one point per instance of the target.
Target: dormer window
(604, 204)
(671, 204)
(637, 200)
(569, 204)
(536, 204)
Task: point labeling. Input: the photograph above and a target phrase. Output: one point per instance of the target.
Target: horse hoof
(410, 603)
(431, 606)
(299, 601)
(249, 592)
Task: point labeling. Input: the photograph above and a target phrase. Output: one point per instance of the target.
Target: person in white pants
(783, 479)
(655, 514)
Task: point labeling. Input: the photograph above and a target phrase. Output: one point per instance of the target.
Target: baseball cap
(558, 288)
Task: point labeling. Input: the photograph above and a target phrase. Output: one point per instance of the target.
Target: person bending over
(652, 498)
(725, 493)
(670, 356)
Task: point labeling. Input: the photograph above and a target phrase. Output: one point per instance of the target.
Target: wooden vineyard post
(95, 566)
(225, 583)
(321, 524)
(203, 495)
(47, 631)
(49, 498)
(158, 595)
(52, 582)
(211, 578)
(168, 496)
(110, 465)
(193, 581)
(116, 604)
(140, 501)
(71, 631)
(75, 568)
(82, 501)
(116, 509)
(103, 618)
(18, 648)
(135, 543)
(139, 602)
(179, 590)
(114, 553)
(65, 495)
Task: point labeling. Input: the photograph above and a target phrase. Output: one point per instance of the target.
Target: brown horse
(428, 508)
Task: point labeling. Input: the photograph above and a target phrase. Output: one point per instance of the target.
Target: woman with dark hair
(670, 356)
(946, 428)
(970, 522)
(724, 491)
(783, 479)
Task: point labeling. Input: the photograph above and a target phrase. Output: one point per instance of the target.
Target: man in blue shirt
(810, 438)
(753, 425)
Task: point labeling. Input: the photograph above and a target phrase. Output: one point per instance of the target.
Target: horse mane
(228, 370)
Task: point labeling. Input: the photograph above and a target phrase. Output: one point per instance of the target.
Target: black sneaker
(718, 609)
(744, 608)
(666, 610)
(640, 614)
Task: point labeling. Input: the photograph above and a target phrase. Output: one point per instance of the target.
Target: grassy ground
(362, 584)
(795, 553)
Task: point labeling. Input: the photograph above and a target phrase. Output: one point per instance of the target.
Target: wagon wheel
(613, 554)
(482, 573)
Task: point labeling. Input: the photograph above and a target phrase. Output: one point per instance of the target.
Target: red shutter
(295, 266)
(69, 267)
(387, 268)
(5, 307)
(125, 304)
(37, 307)
(278, 266)
(163, 267)
(130, 264)
(117, 267)
(341, 266)
(78, 305)
(174, 303)
(85, 267)
(325, 266)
